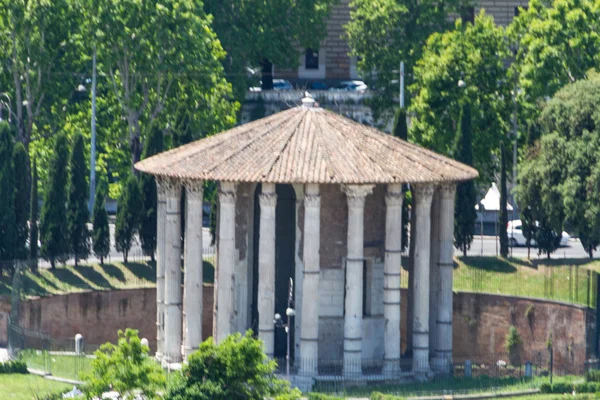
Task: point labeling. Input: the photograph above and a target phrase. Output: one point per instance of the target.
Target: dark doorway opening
(285, 267)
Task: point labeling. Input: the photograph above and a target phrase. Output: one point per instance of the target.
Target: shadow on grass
(94, 276)
(142, 271)
(208, 272)
(114, 272)
(5, 285)
(67, 277)
(493, 264)
(560, 262)
(32, 288)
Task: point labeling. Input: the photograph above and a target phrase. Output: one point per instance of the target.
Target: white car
(516, 238)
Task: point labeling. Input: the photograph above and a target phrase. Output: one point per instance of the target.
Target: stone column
(224, 285)
(356, 195)
(422, 196)
(266, 268)
(192, 294)
(161, 222)
(309, 328)
(173, 320)
(391, 284)
(434, 271)
(443, 349)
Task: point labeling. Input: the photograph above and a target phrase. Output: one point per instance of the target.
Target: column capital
(423, 193)
(356, 194)
(393, 197)
(448, 190)
(167, 186)
(267, 200)
(194, 189)
(312, 201)
(227, 192)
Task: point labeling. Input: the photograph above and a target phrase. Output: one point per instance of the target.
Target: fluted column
(434, 271)
(173, 320)
(443, 350)
(266, 268)
(309, 328)
(422, 196)
(356, 195)
(224, 285)
(161, 222)
(192, 294)
(391, 284)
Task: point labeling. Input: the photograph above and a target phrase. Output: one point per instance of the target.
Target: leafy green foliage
(100, 233)
(53, 227)
(512, 344)
(129, 210)
(21, 207)
(476, 54)
(7, 194)
(77, 207)
(154, 145)
(33, 217)
(401, 131)
(503, 217)
(236, 369)
(382, 33)
(593, 375)
(528, 227)
(126, 368)
(464, 210)
(13, 367)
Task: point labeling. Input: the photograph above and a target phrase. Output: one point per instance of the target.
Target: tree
(401, 131)
(382, 33)
(503, 217)
(7, 195)
(259, 33)
(128, 216)
(125, 368)
(236, 369)
(154, 145)
(155, 62)
(529, 228)
(476, 54)
(100, 232)
(33, 217)
(77, 207)
(53, 227)
(464, 211)
(21, 207)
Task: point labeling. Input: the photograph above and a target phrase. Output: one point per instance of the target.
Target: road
(488, 244)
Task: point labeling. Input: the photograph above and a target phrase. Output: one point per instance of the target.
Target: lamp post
(290, 313)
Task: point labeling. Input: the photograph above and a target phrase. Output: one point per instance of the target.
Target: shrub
(593, 375)
(587, 387)
(381, 396)
(13, 367)
(546, 387)
(320, 396)
(562, 387)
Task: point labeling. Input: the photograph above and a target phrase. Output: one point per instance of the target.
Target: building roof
(305, 145)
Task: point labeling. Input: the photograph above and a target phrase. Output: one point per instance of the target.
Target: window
(311, 59)
(467, 14)
(518, 10)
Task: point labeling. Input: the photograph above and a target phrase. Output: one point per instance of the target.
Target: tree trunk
(52, 263)
(125, 256)
(528, 251)
(101, 260)
(267, 75)
(591, 252)
(152, 256)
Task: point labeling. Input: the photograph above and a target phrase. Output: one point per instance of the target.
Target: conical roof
(305, 145)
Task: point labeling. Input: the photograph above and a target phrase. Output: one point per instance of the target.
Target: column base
(391, 367)
(352, 365)
(441, 364)
(420, 365)
(188, 350)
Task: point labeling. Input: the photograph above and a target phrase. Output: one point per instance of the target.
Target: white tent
(491, 201)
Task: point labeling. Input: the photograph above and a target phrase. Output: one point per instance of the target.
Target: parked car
(282, 84)
(516, 238)
(351, 86)
(318, 86)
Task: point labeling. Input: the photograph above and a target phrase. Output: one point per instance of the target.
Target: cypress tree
(401, 131)
(128, 216)
(503, 217)
(77, 207)
(53, 227)
(7, 195)
(33, 217)
(400, 127)
(464, 210)
(100, 233)
(154, 145)
(21, 168)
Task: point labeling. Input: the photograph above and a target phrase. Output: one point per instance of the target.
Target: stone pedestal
(192, 295)
(266, 268)
(391, 283)
(173, 320)
(224, 284)
(356, 195)
(309, 342)
(422, 195)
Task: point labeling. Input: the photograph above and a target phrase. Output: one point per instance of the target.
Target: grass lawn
(27, 387)
(64, 366)
(68, 279)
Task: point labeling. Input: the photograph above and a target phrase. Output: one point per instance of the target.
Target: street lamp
(278, 322)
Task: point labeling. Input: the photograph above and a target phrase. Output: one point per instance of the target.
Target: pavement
(486, 246)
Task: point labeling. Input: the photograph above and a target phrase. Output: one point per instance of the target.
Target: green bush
(320, 396)
(13, 367)
(587, 387)
(593, 375)
(562, 387)
(546, 387)
(381, 396)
